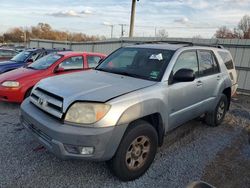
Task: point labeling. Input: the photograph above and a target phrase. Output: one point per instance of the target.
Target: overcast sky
(181, 18)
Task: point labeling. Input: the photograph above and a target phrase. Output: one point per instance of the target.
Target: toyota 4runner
(121, 111)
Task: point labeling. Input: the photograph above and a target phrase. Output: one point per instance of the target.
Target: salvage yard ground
(194, 151)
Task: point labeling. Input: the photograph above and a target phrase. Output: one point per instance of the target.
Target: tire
(217, 116)
(130, 162)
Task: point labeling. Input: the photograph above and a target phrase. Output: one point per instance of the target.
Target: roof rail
(210, 45)
(185, 43)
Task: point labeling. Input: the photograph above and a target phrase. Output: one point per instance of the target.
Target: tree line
(242, 31)
(44, 31)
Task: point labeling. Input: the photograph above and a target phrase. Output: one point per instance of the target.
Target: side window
(225, 56)
(34, 56)
(93, 61)
(72, 63)
(187, 60)
(41, 55)
(207, 63)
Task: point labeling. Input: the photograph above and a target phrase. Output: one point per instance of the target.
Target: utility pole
(112, 28)
(132, 18)
(122, 29)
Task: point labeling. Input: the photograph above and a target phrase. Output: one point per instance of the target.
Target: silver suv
(121, 111)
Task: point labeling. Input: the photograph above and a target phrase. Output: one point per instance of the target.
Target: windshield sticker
(156, 56)
(154, 74)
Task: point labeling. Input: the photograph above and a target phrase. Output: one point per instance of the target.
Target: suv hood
(91, 85)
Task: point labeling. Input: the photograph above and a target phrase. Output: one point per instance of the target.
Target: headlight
(86, 113)
(10, 84)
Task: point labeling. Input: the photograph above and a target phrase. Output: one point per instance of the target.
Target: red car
(16, 85)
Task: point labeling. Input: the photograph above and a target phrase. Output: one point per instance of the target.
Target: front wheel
(136, 151)
(216, 117)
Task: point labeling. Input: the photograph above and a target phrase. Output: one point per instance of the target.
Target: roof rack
(185, 44)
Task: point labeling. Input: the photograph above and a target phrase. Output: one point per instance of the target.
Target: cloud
(71, 13)
(86, 12)
(183, 20)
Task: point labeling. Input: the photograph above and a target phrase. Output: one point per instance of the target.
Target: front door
(184, 98)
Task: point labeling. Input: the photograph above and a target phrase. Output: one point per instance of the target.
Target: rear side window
(93, 61)
(207, 63)
(225, 56)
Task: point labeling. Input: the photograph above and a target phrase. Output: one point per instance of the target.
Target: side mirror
(59, 69)
(184, 75)
(29, 61)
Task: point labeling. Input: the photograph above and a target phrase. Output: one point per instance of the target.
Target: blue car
(23, 58)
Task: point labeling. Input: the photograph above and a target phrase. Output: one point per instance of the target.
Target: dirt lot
(194, 151)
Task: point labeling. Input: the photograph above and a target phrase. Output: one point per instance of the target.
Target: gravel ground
(194, 151)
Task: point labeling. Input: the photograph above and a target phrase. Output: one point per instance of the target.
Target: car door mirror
(59, 69)
(184, 75)
(29, 61)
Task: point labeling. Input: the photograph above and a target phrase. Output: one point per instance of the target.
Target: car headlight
(86, 113)
(10, 84)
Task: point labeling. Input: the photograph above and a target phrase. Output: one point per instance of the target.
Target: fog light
(87, 150)
(79, 149)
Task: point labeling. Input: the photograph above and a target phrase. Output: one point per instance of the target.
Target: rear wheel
(136, 152)
(216, 117)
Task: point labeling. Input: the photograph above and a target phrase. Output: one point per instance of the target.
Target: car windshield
(22, 56)
(144, 63)
(45, 62)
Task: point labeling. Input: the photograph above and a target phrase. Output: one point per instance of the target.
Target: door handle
(218, 77)
(199, 83)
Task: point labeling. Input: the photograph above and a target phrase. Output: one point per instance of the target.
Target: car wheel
(216, 117)
(136, 151)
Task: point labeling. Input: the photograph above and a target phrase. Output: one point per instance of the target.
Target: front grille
(48, 102)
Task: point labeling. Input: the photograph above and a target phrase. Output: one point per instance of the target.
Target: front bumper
(11, 94)
(55, 135)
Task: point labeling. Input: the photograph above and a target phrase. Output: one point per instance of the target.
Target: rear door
(210, 77)
(93, 61)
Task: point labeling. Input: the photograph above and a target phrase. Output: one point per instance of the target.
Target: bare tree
(224, 32)
(197, 37)
(45, 31)
(244, 26)
(162, 33)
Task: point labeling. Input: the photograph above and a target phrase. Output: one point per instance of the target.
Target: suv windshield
(22, 56)
(45, 62)
(144, 63)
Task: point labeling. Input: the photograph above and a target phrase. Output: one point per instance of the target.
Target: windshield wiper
(130, 74)
(124, 73)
